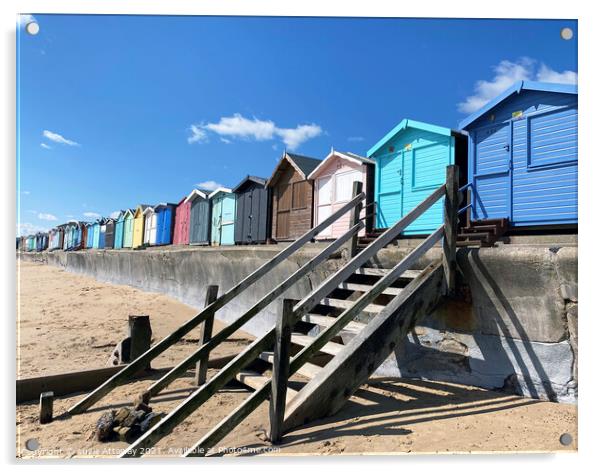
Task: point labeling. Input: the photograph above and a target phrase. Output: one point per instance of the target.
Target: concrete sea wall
(513, 326)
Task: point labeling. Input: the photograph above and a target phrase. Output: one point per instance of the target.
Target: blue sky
(119, 110)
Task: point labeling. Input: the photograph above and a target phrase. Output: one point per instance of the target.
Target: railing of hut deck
(282, 370)
(209, 311)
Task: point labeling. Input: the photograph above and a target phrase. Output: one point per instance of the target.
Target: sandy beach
(69, 322)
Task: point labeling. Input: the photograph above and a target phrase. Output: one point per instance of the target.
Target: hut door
(283, 210)
(217, 221)
(389, 175)
(325, 203)
(491, 193)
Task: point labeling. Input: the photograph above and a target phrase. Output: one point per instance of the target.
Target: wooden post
(46, 400)
(200, 376)
(282, 351)
(354, 218)
(140, 333)
(451, 226)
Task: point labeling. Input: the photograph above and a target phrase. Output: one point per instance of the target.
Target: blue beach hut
(119, 223)
(102, 233)
(410, 164)
(90, 235)
(164, 214)
(522, 156)
(96, 234)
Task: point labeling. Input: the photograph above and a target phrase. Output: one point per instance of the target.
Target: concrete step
(308, 370)
(393, 291)
(344, 304)
(304, 340)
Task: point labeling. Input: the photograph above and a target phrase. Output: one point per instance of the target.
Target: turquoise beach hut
(96, 234)
(410, 164)
(223, 212)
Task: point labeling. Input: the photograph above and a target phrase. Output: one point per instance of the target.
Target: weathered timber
(329, 390)
(62, 384)
(451, 204)
(176, 335)
(197, 398)
(244, 318)
(255, 381)
(282, 351)
(140, 334)
(331, 348)
(349, 286)
(345, 304)
(46, 401)
(300, 359)
(354, 219)
(308, 370)
(200, 375)
(409, 274)
(327, 321)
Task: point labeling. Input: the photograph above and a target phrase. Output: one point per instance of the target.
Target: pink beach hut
(333, 187)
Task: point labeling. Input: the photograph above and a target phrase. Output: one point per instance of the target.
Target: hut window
(300, 195)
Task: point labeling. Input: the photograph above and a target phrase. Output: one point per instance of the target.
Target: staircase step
(304, 340)
(475, 235)
(344, 304)
(326, 321)
(393, 291)
(255, 381)
(308, 370)
(409, 274)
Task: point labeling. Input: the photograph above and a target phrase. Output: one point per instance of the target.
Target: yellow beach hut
(138, 233)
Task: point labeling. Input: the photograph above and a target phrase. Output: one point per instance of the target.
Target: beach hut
(89, 242)
(411, 162)
(150, 226)
(82, 233)
(128, 228)
(522, 156)
(109, 233)
(138, 226)
(118, 243)
(200, 217)
(292, 196)
(96, 234)
(165, 219)
(252, 224)
(102, 234)
(333, 188)
(181, 231)
(223, 214)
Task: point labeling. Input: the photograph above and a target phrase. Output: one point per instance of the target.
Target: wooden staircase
(483, 232)
(334, 338)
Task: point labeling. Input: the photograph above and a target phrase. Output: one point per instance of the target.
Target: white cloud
(508, 72)
(198, 134)
(545, 74)
(45, 216)
(91, 214)
(45, 146)
(209, 185)
(58, 138)
(115, 214)
(26, 228)
(240, 127)
(356, 138)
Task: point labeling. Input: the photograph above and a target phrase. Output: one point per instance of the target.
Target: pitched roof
(340, 154)
(220, 189)
(257, 180)
(403, 125)
(516, 88)
(196, 193)
(304, 165)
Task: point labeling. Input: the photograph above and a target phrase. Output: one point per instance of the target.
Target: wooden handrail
(196, 399)
(204, 314)
(229, 329)
(234, 418)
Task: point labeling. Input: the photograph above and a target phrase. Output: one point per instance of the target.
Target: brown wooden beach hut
(292, 196)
